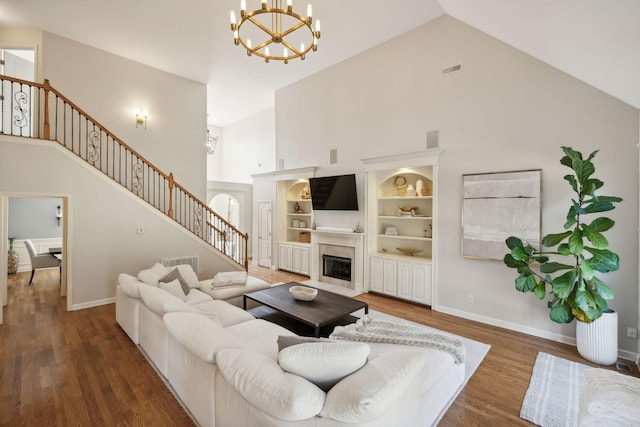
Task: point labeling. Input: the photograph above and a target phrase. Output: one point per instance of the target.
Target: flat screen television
(334, 193)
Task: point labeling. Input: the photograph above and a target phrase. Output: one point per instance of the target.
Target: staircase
(35, 110)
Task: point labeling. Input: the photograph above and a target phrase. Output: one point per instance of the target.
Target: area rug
(554, 392)
(475, 353)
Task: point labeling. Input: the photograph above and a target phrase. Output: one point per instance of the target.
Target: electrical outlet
(632, 333)
(469, 299)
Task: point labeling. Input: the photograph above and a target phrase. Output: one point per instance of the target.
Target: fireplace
(336, 267)
(342, 252)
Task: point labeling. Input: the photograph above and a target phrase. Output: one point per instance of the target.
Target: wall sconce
(141, 119)
(58, 214)
(212, 141)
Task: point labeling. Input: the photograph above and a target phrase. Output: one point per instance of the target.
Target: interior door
(264, 234)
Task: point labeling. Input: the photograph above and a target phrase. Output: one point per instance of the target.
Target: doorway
(227, 207)
(56, 216)
(264, 234)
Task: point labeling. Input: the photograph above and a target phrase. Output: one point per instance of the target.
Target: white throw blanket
(397, 331)
(227, 279)
(610, 399)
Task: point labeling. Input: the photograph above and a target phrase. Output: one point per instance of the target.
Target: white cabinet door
(377, 278)
(421, 283)
(390, 271)
(284, 258)
(295, 259)
(405, 280)
(304, 261)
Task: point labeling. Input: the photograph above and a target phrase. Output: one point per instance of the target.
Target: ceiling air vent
(452, 69)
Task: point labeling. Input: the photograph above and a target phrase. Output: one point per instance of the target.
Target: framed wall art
(498, 205)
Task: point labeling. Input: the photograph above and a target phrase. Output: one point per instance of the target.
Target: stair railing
(35, 110)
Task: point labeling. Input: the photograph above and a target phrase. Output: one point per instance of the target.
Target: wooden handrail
(141, 172)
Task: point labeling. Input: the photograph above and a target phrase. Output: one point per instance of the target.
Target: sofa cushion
(223, 313)
(259, 335)
(175, 275)
(162, 302)
(187, 273)
(324, 363)
(199, 334)
(266, 386)
(368, 393)
(130, 285)
(152, 275)
(174, 288)
(196, 296)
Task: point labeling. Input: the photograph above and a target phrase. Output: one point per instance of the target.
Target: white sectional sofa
(228, 370)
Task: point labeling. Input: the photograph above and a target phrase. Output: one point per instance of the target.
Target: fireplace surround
(338, 243)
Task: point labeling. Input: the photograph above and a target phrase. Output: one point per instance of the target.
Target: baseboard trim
(623, 354)
(91, 304)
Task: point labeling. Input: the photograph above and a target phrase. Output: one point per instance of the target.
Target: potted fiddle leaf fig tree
(568, 268)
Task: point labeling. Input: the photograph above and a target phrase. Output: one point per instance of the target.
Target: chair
(40, 261)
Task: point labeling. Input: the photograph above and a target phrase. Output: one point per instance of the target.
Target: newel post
(171, 185)
(46, 129)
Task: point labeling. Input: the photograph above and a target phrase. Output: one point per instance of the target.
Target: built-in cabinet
(401, 278)
(295, 224)
(294, 257)
(401, 224)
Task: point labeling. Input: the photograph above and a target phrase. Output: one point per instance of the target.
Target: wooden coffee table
(326, 311)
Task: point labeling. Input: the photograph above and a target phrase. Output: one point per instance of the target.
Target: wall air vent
(452, 69)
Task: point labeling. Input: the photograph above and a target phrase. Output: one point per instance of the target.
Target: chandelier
(275, 26)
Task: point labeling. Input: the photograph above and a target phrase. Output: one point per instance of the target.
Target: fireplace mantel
(338, 237)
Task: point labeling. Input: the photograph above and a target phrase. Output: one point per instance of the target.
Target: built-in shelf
(390, 236)
(398, 185)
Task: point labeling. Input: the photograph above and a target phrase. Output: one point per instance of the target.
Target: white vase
(598, 341)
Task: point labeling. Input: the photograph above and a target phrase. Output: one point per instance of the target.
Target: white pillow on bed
(369, 392)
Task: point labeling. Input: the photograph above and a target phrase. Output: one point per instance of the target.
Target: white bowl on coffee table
(303, 293)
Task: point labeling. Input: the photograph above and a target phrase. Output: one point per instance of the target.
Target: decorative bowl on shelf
(409, 251)
(303, 293)
(407, 208)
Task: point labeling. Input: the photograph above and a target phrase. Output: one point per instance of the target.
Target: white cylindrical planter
(598, 341)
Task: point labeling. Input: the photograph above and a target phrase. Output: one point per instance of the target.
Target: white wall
(244, 148)
(102, 219)
(110, 88)
(505, 111)
(34, 218)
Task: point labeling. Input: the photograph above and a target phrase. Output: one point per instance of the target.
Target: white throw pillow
(162, 302)
(174, 288)
(324, 363)
(173, 275)
(260, 380)
(152, 275)
(367, 394)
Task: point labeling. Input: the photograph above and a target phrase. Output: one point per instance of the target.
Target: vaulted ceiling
(596, 41)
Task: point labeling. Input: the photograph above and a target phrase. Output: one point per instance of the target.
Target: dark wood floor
(60, 368)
